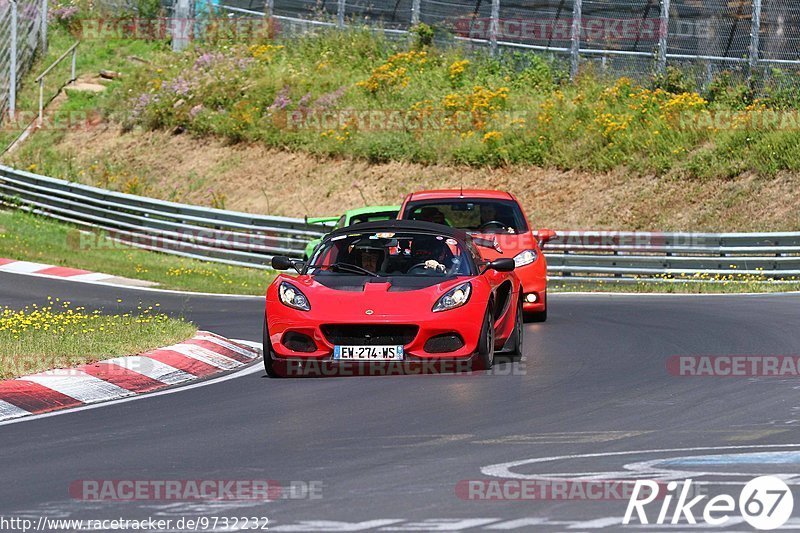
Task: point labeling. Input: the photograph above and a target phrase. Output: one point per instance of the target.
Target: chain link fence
(747, 39)
(23, 35)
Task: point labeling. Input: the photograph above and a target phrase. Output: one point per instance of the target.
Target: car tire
(486, 342)
(266, 347)
(518, 335)
(539, 316)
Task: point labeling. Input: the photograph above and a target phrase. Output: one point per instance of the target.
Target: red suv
(495, 216)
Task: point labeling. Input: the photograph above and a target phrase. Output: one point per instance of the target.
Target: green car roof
(348, 216)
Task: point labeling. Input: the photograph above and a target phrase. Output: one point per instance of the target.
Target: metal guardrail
(251, 240)
(192, 231)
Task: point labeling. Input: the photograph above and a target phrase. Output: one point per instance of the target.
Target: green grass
(677, 287)
(58, 335)
(33, 238)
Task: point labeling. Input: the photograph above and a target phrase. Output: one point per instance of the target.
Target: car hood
(344, 297)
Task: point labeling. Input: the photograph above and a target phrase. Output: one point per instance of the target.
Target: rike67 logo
(765, 503)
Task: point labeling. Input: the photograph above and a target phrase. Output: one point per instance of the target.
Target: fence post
(415, 12)
(494, 24)
(12, 64)
(270, 8)
(181, 25)
(576, 39)
(663, 33)
(755, 30)
(340, 13)
(43, 26)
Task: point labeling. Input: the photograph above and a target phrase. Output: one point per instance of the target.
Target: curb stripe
(62, 272)
(33, 397)
(24, 267)
(79, 385)
(206, 356)
(9, 410)
(122, 377)
(181, 362)
(152, 368)
(216, 346)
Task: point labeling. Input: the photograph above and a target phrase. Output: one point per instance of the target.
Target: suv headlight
(525, 258)
(455, 297)
(293, 297)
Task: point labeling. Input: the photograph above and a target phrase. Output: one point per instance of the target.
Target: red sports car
(403, 294)
(496, 216)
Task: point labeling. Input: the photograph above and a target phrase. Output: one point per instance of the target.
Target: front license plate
(368, 353)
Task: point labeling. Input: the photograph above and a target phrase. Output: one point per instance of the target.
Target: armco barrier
(251, 240)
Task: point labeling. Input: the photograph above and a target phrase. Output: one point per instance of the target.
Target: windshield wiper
(352, 268)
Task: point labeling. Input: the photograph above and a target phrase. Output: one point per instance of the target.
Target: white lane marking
(503, 470)
(333, 525)
(207, 356)
(91, 276)
(599, 523)
(442, 524)
(8, 410)
(223, 343)
(518, 523)
(79, 385)
(23, 267)
(152, 369)
(250, 369)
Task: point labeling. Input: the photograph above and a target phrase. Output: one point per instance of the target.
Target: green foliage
(423, 35)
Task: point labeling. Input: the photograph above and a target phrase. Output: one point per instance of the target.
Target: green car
(353, 216)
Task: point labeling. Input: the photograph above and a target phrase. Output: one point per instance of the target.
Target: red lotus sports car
(397, 294)
(497, 216)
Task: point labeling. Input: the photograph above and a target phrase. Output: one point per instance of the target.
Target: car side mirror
(545, 235)
(281, 262)
(503, 264)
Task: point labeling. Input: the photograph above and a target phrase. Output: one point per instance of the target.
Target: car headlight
(525, 258)
(291, 296)
(455, 297)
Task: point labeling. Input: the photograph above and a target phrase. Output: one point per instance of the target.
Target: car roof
(371, 209)
(401, 225)
(439, 194)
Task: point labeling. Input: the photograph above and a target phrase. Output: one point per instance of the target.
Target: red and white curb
(72, 274)
(202, 356)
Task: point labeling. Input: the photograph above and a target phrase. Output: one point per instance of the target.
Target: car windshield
(392, 254)
(373, 217)
(473, 215)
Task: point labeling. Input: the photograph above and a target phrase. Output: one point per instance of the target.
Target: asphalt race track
(391, 451)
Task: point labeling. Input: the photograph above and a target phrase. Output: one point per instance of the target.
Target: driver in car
(489, 215)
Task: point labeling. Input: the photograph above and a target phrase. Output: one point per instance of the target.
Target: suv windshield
(477, 216)
(392, 254)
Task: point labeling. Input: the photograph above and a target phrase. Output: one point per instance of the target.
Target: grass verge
(676, 287)
(58, 335)
(28, 237)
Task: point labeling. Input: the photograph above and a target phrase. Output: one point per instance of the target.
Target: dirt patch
(257, 179)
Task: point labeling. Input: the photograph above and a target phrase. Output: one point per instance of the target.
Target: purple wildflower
(282, 99)
(193, 112)
(207, 60)
(330, 99)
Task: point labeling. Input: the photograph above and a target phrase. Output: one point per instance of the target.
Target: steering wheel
(423, 267)
(493, 223)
